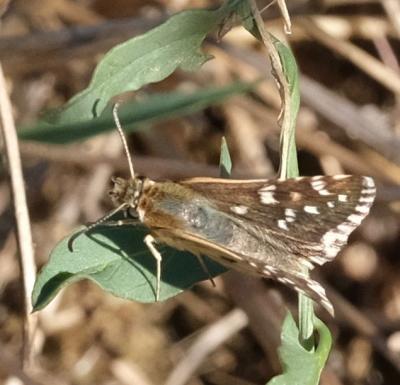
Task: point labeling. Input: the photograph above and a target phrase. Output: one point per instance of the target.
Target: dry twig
(206, 343)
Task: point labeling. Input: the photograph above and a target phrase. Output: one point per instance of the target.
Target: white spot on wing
(267, 197)
(342, 237)
(331, 251)
(318, 185)
(368, 182)
(330, 237)
(368, 191)
(362, 209)
(354, 218)
(334, 239)
(331, 204)
(368, 199)
(311, 209)
(346, 228)
(240, 209)
(290, 213)
(282, 224)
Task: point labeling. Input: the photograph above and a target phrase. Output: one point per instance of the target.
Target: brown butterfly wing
(311, 217)
(245, 263)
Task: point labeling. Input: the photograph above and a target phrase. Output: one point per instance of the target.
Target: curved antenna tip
(73, 238)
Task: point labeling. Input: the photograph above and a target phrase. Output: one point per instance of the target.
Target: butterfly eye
(132, 213)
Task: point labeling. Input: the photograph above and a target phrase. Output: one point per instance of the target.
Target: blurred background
(347, 52)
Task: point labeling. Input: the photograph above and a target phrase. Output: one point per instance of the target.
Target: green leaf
(116, 258)
(237, 11)
(225, 161)
(119, 262)
(244, 12)
(144, 59)
(301, 367)
(134, 115)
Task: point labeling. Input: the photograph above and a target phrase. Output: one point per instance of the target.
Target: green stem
(285, 71)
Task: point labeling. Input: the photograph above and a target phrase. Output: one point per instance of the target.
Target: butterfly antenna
(123, 138)
(90, 227)
(267, 6)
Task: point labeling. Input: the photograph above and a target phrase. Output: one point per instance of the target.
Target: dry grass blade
(332, 106)
(11, 367)
(128, 373)
(347, 27)
(360, 322)
(285, 14)
(392, 8)
(367, 63)
(215, 335)
(354, 120)
(24, 235)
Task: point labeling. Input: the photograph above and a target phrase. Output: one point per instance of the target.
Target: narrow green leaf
(119, 262)
(135, 114)
(144, 59)
(289, 165)
(225, 161)
(237, 11)
(301, 366)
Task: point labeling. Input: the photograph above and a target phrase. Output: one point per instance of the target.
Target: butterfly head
(125, 193)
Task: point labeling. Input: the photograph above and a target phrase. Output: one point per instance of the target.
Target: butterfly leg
(150, 241)
(204, 267)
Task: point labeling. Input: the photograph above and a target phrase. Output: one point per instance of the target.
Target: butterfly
(264, 227)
